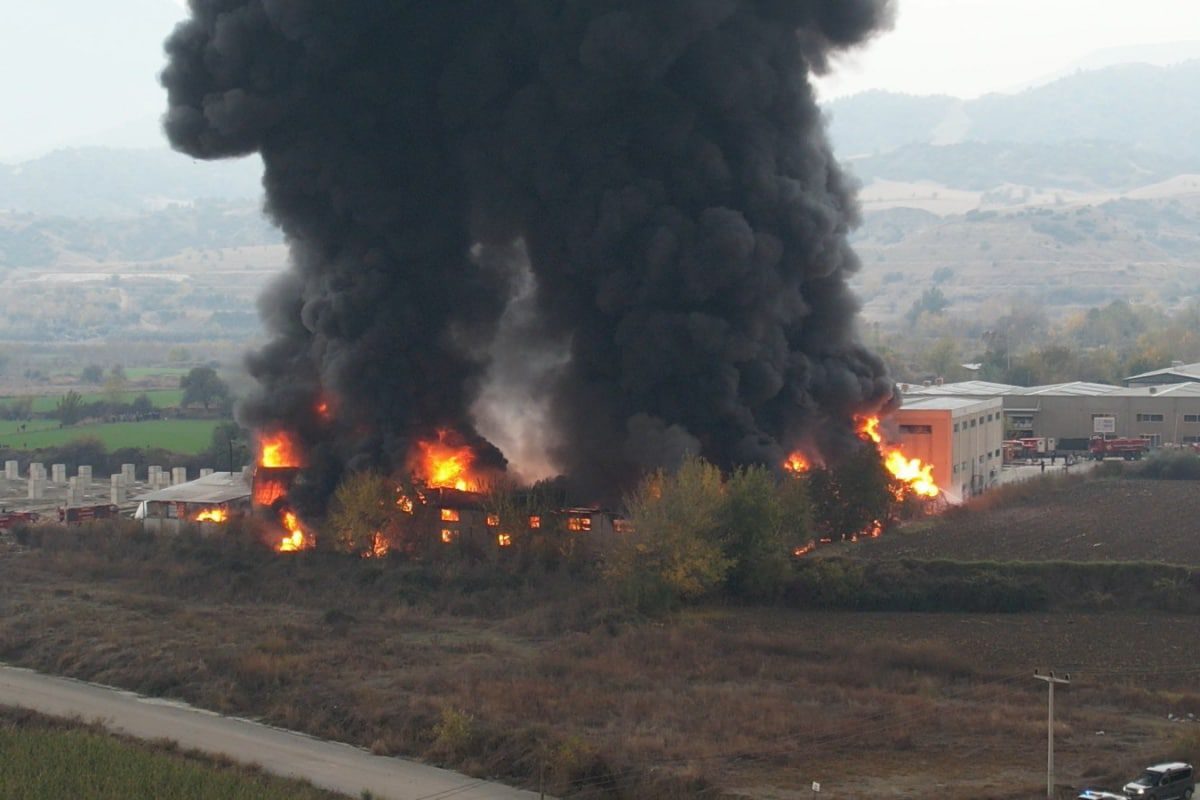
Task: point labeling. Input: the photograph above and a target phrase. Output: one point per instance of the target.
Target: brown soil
(500, 681)
(1075, 520)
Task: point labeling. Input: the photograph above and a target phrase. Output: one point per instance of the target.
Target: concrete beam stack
(75, 492)
(204, 473)
(58, 473)
(178, 476)
(118, 489)
(37, 470)
(129, 473)
(12, 471)
(154, 477)
(37, 489)
(85, 476)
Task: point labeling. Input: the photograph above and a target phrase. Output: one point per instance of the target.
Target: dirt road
(326, 764)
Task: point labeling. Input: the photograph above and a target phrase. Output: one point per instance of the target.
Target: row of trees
(1024, 346)
(686, 534)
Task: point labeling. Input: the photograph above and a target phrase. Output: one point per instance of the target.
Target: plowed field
(1086, 520)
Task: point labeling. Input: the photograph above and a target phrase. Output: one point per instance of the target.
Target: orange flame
(213, 515)
(804, 549)
(915, 475)
(379, 547)
(296, 539)
(797, 464)
(444, 466)
(504, 540)
(278, 450)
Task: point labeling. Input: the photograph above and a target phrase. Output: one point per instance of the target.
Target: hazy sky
(76, 72)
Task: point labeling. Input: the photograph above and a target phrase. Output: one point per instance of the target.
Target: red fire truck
(77, 515)
(1128, 449)
(10, 519)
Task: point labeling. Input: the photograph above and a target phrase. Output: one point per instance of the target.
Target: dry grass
(512, 677)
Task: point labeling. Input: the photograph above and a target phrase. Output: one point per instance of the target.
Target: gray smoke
(663, 165)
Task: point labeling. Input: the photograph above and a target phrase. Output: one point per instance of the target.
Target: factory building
(962, 437)
(1071, 413)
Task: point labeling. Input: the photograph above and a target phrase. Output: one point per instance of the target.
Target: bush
(675, 552)
(1172, 465)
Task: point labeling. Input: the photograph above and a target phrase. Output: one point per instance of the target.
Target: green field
(138, 373)
(52, 762)
(188, 436)
(161, 398)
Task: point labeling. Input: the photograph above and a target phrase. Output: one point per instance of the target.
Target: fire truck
(78, 515)
(10, 519)
(1128, 449)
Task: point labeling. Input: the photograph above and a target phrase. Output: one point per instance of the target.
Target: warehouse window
(1191, 417)
(1021, 422)
(1149, 417)
(956, 427)
(916, 429)
(974, 422)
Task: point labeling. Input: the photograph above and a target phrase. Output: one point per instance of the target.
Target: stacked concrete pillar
(178, 476)
(37, 470)
(85, 476)
(75, 490)
(154, 478)
(58, 473)
(129, 473)
(12, 471)
(118, 489)
(37, 488)
(204, 473)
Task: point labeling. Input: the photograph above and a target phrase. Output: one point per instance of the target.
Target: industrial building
(962, 437)
(206, 501)
(1166, 414)
(1176, 373)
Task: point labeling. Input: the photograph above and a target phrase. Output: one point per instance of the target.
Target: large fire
(279, 450)
(444, 466)
(213, 515)
(296, 540)
(915, 475)
(797, 464)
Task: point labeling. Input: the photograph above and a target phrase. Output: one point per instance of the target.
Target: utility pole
(1050, 680)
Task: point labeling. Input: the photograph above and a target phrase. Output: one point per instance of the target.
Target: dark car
(1174, 781)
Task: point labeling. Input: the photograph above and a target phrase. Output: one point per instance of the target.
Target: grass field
(504, 676)
(187, 436)
(160, 398)
(44, 759)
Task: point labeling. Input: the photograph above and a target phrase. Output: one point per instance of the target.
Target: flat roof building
(1071, 413)
(962, 437)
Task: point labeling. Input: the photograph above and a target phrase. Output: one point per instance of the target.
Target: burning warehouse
(592, 237)
(210, 500)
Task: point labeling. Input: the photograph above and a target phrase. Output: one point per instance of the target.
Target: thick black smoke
(663, 165)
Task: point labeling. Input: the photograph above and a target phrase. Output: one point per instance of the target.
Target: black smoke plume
(660, 168)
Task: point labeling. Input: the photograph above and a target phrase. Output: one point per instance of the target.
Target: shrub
(675, 552)
(1178, 465)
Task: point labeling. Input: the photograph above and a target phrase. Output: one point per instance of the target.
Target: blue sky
(76, 72)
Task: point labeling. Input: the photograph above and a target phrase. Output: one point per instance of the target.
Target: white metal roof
(933, 403)
(1074, 388)
(1188, 389)
(219, 487)
(961, 389)
(1181, 370)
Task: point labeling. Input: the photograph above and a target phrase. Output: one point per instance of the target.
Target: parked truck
(1128, 449)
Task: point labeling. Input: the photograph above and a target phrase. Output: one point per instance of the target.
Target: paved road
(339, 767)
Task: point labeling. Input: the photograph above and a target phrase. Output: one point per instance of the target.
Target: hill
(111, 182)
(1137, 105)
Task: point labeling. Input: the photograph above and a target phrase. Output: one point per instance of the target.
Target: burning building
(618, 225)
(208, 501)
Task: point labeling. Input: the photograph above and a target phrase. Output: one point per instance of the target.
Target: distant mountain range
(1147, 108)
(108, 182)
